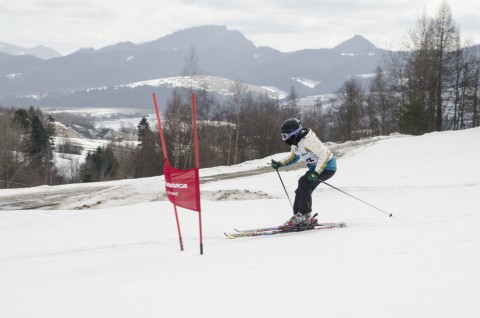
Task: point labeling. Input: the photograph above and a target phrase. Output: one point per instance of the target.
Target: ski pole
(389, 214)
(284, 188)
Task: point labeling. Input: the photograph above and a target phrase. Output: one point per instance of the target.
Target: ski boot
(298, 219)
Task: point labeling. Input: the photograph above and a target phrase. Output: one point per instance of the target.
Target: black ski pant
(303, 194)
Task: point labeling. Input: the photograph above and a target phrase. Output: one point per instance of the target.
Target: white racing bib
(306, 156)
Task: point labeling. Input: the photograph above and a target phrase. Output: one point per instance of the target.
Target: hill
(111, 248)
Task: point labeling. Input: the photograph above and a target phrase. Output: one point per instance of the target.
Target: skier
(321, 163)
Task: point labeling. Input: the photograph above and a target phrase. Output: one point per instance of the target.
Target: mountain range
(103, 77)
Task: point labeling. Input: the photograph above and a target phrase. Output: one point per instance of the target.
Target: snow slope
(111, 249)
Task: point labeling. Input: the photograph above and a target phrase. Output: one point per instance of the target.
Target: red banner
(183, 187)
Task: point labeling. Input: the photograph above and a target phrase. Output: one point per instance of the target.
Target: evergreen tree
(100, 166)
(143, 128)
(148, 156)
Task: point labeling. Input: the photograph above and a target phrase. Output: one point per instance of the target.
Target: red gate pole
(160, 130)
(165, 158)
(178, 228)
(197, 165)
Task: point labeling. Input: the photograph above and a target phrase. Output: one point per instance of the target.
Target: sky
(286, 25)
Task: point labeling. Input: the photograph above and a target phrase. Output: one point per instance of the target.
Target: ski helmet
(290, 128)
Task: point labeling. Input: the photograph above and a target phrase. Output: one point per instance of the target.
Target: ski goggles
(285, 136)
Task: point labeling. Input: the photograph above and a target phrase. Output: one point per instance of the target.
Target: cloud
(287, 25)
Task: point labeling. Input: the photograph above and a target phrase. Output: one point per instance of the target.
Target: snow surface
(111, 249)
(220, 85)
(306, 82)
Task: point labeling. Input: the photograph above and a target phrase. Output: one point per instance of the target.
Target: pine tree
(143, 129)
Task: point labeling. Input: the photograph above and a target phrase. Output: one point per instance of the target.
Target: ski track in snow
(111, 249)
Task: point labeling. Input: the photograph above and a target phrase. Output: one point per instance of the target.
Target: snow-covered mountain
(111, 249)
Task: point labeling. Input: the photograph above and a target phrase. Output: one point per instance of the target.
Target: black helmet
(291, 128)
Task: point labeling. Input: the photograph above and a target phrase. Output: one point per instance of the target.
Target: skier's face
(291, 140)
(290, 136)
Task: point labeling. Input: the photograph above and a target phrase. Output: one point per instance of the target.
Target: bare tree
(382, 104)
(348, 112)
(426, 73)
(179, 131)
(238, 92)
(446, 43)
(192, 63)
(465, 89)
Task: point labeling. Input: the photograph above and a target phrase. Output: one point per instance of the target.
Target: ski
(283, 230)
(283, 227)
(273, 228)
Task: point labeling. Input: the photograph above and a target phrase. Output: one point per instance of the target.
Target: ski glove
(313, 176)
(276, 164)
